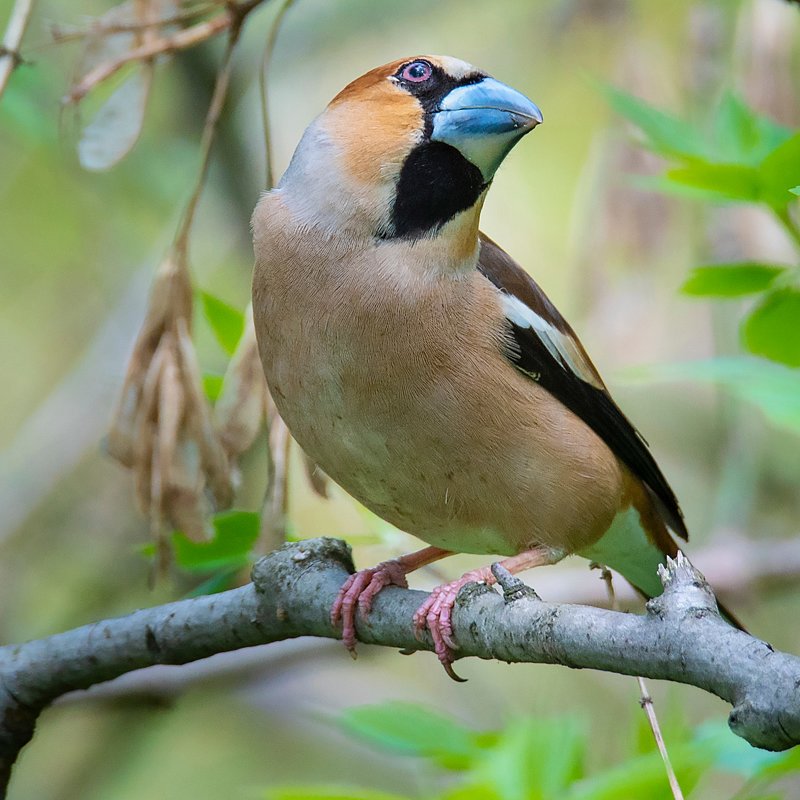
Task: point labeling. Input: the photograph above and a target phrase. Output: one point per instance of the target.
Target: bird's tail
(635, 545)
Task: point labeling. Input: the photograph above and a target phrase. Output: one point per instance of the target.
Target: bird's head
(406, 149)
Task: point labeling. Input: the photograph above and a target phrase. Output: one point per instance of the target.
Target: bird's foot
(435, 614)
(358, 592)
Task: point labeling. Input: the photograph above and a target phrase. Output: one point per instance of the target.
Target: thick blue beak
(484, 121)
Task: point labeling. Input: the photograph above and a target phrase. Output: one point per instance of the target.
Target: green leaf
(771, 133)
(146, 550)
(235, 533)
(219, 582)
(730, 280)
(328, 793)
(781, 764)
(773, 327)
(665, 133)
(742, 135)
(535, 759)
(734, 754)
(226, 321)
(662, 184)
(471, 791)
(733, 182)
(645, 776)
(772, 795)
(736, 131)
(22, 116)
(212, 386)
(414, 730)
(780, 172)
(795, 190)
(773, 388)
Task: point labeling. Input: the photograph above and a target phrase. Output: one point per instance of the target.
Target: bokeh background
(77, 253)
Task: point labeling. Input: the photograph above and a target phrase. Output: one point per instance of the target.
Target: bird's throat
(436, 183)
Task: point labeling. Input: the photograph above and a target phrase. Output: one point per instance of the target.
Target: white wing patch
(558, 344)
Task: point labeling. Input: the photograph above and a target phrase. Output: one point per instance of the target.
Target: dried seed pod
(162, 427)
(145, 430)
(184, 501)
(276, 498)
(240, 411)
(170, 297)
(214, 462)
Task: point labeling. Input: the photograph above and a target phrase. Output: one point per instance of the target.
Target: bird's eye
(416, 71)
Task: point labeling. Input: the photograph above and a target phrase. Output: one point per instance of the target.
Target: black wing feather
(593, 404)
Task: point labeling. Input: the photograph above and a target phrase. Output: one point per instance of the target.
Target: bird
(422, 368)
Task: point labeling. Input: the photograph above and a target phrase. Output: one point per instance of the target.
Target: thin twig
(266, 58)
(60, 34)
(276, 494)
(9, 54)
(646, 701)
(182, 40)
(209, 131)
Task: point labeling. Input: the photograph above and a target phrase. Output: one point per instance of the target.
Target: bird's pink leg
(360, 589)
(436, 612)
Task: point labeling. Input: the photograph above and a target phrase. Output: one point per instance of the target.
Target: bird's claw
(358, 592)
(435, 614)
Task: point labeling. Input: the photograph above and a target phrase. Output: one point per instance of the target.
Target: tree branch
(681, 638)
(10, 57)
(230, 19)
(188, 37)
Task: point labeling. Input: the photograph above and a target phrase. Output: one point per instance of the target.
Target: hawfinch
(421, 367)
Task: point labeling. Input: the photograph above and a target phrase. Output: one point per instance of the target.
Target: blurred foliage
(741, 156)
(546, 759)
(774, 388)
(235, 533)
(730, 280)
(226, 322)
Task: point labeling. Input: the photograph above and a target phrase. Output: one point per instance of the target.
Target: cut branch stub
(685, 590)
(162, 427)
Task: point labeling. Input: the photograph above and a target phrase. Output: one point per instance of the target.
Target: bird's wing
(545, 348)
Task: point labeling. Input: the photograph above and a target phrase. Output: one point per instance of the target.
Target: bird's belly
(418, 439)
(418, 479)
(417, 483)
